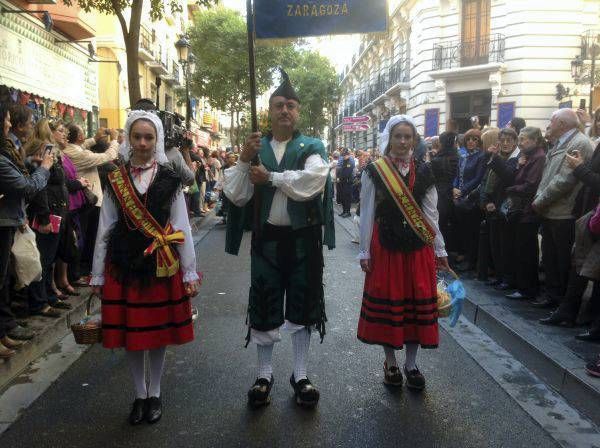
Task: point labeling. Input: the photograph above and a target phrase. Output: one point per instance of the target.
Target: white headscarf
(159, 150)
(385, 135)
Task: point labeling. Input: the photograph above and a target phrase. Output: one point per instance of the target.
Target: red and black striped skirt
(146, 318)
(399, 303)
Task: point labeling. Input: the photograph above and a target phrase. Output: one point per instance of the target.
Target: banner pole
(251, 64)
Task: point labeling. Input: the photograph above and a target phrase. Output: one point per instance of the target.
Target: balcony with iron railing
(486, 50)
(145, 52)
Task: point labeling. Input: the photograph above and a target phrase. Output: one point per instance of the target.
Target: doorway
(465, 105)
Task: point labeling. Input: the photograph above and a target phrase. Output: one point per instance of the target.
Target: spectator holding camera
(16, 185)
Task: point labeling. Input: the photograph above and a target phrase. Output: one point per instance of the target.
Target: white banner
(61, 75)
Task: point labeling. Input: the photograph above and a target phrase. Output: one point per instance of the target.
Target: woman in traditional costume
(144, 261)
(400, 243)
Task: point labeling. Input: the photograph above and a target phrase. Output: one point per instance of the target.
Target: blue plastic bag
(458, 293)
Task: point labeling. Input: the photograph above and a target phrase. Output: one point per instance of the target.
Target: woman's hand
(365, 265)
(45, 229)
(491, 207)
(456, 193)
(191, 288)
(84, 182)
(97, 289)
(442, 263)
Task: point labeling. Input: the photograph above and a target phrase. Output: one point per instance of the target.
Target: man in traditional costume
(284, 197)
(144, 261)
(400, 245)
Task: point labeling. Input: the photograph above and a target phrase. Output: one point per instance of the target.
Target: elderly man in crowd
(554, 203)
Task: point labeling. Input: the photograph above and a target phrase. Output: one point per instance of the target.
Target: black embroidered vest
(125, 252)
(395, 234)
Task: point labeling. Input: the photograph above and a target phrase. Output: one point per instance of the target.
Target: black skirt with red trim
(148, 317)
(399, 303)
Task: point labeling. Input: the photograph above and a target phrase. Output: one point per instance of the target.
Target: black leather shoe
(544, 303)
(414, 379)
(306, 394)
(589, 336)
(558, 319)
(138, 410)
(258, 395)
(153, 410)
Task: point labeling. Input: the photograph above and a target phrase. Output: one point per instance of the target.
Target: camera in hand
(173, 124)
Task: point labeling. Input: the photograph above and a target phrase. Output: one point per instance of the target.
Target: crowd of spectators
(518, 209)
(51, 186)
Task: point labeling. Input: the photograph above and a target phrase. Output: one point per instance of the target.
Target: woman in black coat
(444, 165)
(45, 207)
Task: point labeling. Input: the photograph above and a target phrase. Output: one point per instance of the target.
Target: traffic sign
(355, 127)
(353, 120)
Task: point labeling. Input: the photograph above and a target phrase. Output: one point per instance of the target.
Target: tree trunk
(237, 127)
(132, 45)
(231, 130)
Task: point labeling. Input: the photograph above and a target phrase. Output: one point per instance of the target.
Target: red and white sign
(355, 127)
(352, 120)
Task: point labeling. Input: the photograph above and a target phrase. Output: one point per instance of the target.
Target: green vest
(317, 211)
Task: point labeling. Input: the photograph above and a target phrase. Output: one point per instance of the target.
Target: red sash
(167, 262)
(404, 199)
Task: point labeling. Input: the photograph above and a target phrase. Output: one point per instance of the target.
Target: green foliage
(316, 83)
(115, 7)
(219, 41)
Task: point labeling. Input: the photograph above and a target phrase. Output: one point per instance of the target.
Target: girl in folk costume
(400, 243)
(144, 261)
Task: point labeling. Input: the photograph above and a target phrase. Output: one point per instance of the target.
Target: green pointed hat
(285, 89)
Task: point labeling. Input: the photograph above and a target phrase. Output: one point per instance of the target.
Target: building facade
(47, 68)
(160, 72)
(454, 59)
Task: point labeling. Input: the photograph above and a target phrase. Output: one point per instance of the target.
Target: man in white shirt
(282, 184)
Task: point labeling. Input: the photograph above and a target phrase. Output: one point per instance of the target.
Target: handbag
(28, 267)
(469, 202)
(90, 197)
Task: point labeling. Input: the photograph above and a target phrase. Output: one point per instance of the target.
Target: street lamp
(188, 63)
(590, 50)
(576, 66)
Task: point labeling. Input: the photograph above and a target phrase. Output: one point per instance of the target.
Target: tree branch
(119, 15)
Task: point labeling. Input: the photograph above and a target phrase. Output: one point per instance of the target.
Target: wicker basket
(444, 301)
(88, 332)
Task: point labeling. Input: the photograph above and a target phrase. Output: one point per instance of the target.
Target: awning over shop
(31, 63)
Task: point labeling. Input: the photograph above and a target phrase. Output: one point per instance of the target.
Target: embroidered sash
(404, 199)
(167, 262)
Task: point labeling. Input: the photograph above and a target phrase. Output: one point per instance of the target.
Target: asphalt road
(205, 383)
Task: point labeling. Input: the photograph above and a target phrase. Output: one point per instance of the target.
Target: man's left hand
(574, 159)
(259, 175)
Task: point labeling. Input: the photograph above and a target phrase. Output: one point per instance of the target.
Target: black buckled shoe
(414, 379)
(307, 395)
(153, 410)
(138, 410)
(258, 395)
(392, 376)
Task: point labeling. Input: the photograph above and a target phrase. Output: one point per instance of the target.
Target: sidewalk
(552, 353)
(49, 332)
